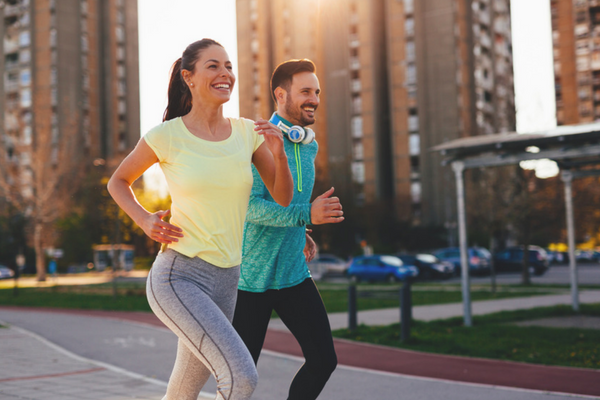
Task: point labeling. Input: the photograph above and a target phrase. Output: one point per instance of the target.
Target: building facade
(70, 88)
(576, 48)
(398, 77)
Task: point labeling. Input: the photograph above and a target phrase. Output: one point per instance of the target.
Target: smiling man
(274, 272)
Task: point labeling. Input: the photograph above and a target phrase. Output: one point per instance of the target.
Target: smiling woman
(206, 159)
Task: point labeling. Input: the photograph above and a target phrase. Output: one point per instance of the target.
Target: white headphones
(295, 133)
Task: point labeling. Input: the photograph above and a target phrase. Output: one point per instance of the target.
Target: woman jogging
(206, 159)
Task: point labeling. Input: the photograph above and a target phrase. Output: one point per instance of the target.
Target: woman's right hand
(159, 230)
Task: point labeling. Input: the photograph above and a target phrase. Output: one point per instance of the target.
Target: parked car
(586, 256)
(380, 268)
(327, 264)
(5, 272)
(557, 257)
(511, 259)
(478, 259)
(429, 266)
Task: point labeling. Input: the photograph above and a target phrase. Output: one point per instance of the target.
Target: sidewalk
(35, 369)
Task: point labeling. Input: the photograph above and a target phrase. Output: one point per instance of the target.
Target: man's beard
(295, 113)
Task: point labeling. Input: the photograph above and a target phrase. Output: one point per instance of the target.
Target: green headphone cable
(298, 165)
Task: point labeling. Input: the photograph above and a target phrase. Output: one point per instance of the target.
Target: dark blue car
(478, 259)
(380, 268)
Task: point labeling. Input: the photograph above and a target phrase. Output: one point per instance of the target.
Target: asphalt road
(150, 351)
(587, 274)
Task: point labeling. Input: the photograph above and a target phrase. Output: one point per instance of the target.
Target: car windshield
(427, 258)
(391, 260)
(483, 253)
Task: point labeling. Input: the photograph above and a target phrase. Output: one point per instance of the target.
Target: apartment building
(70, 88)
(398, 77)
(576, 48)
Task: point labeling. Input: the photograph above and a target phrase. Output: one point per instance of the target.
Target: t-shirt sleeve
(255, 139)
(159, 141)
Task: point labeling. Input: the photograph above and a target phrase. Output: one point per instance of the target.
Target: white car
(327, 264)
(5, 272)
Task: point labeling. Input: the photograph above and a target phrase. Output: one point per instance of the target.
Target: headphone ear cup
(296, 134)
(309, 137)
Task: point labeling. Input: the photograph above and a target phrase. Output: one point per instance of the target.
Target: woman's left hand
(273, 137)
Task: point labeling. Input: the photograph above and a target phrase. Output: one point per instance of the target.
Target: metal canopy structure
(575, 148)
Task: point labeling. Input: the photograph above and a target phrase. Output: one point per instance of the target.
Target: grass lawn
(493, 336)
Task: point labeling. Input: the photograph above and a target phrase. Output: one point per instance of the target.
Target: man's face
(302, 100)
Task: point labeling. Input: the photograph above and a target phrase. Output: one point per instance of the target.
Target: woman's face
(212, 79)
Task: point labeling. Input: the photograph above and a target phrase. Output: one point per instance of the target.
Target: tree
(41, 188)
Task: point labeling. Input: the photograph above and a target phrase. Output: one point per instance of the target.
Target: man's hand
(310, 248)
(326, 209)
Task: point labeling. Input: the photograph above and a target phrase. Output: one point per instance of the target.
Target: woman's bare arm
(272, 164)
(119, 186)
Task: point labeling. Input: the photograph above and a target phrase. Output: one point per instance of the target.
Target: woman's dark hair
(284, 72)
(179, 100)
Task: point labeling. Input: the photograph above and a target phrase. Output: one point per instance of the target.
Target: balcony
(13, 10)
(11, 45)
(11, 86)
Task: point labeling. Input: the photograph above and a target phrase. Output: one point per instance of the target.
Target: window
(359, 151)
(409, 6)
(409, 27)
(53, 76)
(24, 56)
(27, 135)
(414, 144)
(410, 51)
(120, 34)
(356, 127)
(411, 74)
(54, 96)
(53, 37)
(413, 123)
(25, 77)
(25, 97)
(24, 39)
(357, 105)
(415, 192)
(120, 53)
(358, 172)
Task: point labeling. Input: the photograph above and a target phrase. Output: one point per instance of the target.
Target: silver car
(5, 272)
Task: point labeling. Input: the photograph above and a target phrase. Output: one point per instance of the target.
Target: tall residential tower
(576, 43)
(70, 88)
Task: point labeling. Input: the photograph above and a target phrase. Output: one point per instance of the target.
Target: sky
(166, 28)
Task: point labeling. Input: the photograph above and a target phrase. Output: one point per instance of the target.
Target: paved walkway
(35, 369)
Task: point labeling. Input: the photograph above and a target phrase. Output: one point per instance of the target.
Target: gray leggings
(196, 300)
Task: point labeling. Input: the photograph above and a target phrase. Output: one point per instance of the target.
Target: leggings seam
(198, 322)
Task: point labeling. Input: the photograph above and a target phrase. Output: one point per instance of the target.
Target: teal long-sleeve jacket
(275, 236)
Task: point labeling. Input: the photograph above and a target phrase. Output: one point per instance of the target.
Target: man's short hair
(283, 74)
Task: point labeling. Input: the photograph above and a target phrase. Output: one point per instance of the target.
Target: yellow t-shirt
(210, 185)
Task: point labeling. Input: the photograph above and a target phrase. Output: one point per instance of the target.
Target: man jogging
(274, 273)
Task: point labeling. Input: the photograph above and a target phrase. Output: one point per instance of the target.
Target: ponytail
(179, 98)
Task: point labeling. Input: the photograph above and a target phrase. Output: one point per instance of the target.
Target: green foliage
(96, 219)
